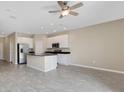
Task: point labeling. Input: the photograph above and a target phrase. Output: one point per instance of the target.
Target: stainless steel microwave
(55, 45)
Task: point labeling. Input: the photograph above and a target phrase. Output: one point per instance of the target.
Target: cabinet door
(64, 41)
(50, 62)
(50, 41)
(61, 39)
(39, 46)
(63, 59)
(59, 59)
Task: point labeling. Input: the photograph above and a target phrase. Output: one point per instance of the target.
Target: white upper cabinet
(49, 42)
(61, 39)
(39, 44)
(26, 40)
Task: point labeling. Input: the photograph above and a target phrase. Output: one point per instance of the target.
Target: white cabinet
(49, 42)
(63, 59)
(61, 39)
(25, 40)
(39, 44)
(42, 63)
(50, 63)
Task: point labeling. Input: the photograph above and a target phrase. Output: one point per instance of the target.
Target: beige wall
(99, 46)
(1, 47)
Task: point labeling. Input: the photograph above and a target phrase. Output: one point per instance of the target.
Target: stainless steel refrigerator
(22, 50)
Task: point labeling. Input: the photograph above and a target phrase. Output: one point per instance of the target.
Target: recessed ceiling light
(46, 32)
(3, 33)
(54, 30)
(42, 27)
(51, 24)
(65, 28)
(29, 32)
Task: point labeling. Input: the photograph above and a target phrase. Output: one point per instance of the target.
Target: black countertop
(44, 54)
(58, 52)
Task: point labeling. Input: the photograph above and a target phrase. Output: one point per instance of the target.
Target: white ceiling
(30, 17)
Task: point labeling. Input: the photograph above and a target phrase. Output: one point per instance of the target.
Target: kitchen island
(44, 62)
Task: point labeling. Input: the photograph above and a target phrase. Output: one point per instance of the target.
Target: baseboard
(2, 59)
(98, 68)
(5, 60)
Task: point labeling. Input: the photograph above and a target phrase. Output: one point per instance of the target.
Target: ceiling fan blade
(61, 16)
(76, 6)
(56, 11)
(61, 4)
(73, 13)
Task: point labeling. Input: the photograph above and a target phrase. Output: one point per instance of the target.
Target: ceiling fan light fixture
(66, 9)
(65, 12)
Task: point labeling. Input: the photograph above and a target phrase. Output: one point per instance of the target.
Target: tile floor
(64, 78)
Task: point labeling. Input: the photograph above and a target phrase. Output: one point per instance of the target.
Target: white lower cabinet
(63, 59)
(42, 63)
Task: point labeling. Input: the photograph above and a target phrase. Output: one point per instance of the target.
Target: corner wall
(1, 48)
(99, 46)
(10, 48)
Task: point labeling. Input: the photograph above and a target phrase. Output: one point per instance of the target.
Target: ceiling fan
(66, 9)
